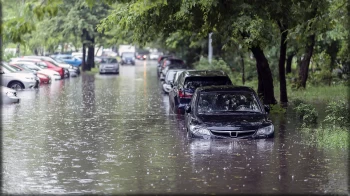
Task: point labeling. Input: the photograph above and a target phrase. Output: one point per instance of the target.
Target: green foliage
(306, 113)
(338, 114)
(220, 65)
(326, 136)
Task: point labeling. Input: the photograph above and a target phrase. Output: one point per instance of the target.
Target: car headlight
(265, 130)
(199, 130)
(10, 94)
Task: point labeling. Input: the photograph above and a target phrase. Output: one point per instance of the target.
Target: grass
(326, 137)
(92, 71)
(314, 94)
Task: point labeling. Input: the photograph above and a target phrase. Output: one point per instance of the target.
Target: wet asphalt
(114, 134)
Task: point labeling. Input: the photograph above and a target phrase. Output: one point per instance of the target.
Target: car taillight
(184, 94)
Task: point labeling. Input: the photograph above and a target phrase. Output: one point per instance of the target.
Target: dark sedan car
(227, 112)
(127, 58)
(188, 81)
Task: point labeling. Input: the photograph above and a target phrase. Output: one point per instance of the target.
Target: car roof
(227, 88)
(203, 73)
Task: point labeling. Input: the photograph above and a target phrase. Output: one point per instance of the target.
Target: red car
(44, 79)
(54, 67)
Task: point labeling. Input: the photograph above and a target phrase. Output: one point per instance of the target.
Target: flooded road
(114, 134)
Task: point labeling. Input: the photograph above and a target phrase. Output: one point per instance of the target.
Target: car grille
(233, 134)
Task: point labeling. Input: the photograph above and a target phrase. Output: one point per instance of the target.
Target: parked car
(169, 78)
(179, 63)
(154, 55)
(170, 67)
(41, 67)
(227, 112)
(187, 83)
(17, 80)
(160, 62)
(128, 58)
(109, 65)
(9, 95)
(69, 59)
(72, 71)
(44, 78)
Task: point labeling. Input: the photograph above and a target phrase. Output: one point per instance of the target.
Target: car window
(7, 68)
(227, 102)
(170, 76)
(195, 82)
(15, 68)
(109, 60)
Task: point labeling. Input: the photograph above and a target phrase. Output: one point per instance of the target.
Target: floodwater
(114, 134)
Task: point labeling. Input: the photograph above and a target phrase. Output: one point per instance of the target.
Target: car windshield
(128, 54)
(227, 102)
(30, 67)
(7, 68)
(38, 65)
(109, 60)
(195, 82)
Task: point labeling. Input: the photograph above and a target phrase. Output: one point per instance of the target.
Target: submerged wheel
(16, 85)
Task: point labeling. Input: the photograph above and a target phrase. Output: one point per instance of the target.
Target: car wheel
(16, 85)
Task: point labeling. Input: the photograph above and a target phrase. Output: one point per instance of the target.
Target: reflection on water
(115, 134)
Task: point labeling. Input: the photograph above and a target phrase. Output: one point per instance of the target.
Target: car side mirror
(267, 108)
(162, 79)
(188, 109)
(2, 72)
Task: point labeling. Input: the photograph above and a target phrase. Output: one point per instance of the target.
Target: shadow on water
(116, 134)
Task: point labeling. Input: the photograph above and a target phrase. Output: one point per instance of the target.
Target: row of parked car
(213, 107)
(29, 72)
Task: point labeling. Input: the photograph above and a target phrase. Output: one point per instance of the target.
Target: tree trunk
(84, 64)
(305, 62)
(90, 57)
(281, 63)
(265, 85)
(289, 63)
(242, 64)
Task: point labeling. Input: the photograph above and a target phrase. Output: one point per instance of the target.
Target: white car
(9, 95)
(154, 56)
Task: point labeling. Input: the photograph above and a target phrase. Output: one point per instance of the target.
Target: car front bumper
(10, 99)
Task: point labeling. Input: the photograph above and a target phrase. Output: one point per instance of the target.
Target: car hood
(21, 74)
(233, 121)
(64, 65)
(48, 71)
(109, 65)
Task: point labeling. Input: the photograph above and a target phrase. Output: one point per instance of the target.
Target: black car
(227, 112)
(187, 82)
(127, 58)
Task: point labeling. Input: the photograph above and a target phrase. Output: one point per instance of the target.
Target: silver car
(9, 95)
(17, 80)
(168, 80)
(109, 65)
